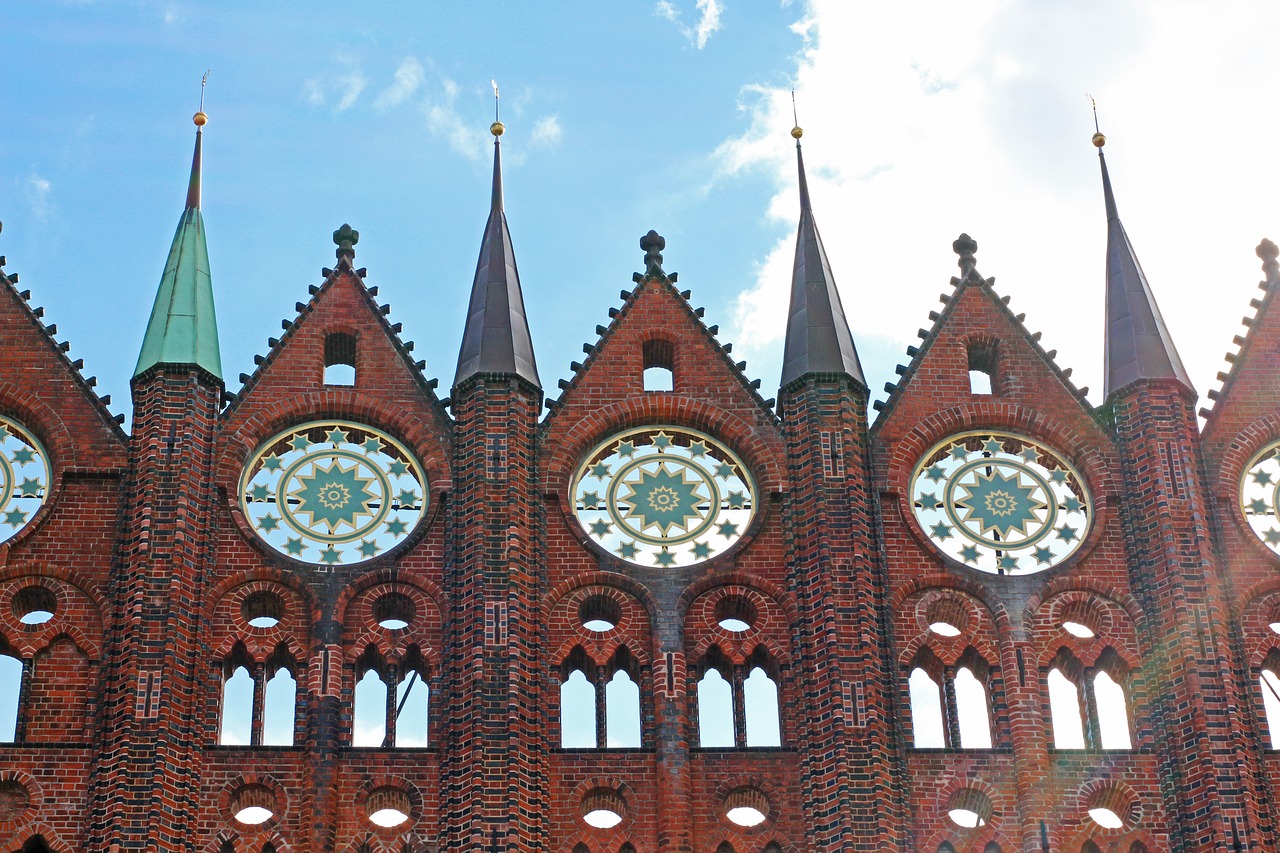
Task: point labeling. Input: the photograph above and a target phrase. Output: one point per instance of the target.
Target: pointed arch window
(236, 713)
(622, 701)
(577, 702)
(1089, 707)
(11, 677)
(973, 710)
(950, 706)
(738, 705)
(760, 702)
(600, 705)
(391, 701)
(280, 701)
(715, 701)
(928, 728)
(259, 700)
(1269, 687)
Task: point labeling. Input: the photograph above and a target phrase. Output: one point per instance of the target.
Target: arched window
(1113, 712)
(369, 714)
(760, 700)
(236, 713)
(659, 365)
(715, 703)
(339, 359)
(1064, 705)
(577, 702)
(10, 696)
(1269, 684)
(36, 844)
(622, 703)
(928, 718)
(982, 366)
(972, 710)
(413, 703)
(279, 707)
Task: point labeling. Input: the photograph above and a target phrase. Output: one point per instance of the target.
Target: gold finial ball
(1099, 140)
(497, 128)
(796, 132)
(200, 119)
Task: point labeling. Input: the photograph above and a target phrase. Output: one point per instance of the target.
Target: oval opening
(1077, 629)
(35, 605)
(393, 611)
(599, 614)
(388, 817)
(944, 629)
(263, 609)
(253, 815)
(735, 614)
(1105, 818)
(1275, 627)
(745, 816)
(737, 626)
(966, 818)
(602, 818)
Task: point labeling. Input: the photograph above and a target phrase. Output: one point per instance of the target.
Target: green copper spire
(183, 328)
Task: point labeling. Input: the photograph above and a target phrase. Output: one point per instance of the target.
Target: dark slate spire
(818, 338)
(183, 328)
(496, 339)
(1138, 342)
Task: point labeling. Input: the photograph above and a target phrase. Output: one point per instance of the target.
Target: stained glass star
(1262, 478)
(935, 473)
(1272, 536)
(367, 548)
(258, 493)
(662, 441)
(271, 463)
(294, 546)
(396, 527)
(372, 444)
(23, 455)
(1058, 475)
(940, 531)
(664, 558)
(30, 488)
(600, 527)
(728, 529)
(626, 449)
(958, 452)
(725, 470)
(337, 435)
(627, 550)
(599, 470)
(701, 550)
(407, 499)
(969, 554)
(993, 446)
(928, 501)
(664, 497)
(698, 448)
(1044, 556)
(398, 467)
(737, 500)
(15, 517)
(1007, 563)
(1072, 505)
(330, 555)
(590, 500)
(1030, 455)
(1066, 533)
(268, 523)
(1001, 503)
(300, 442)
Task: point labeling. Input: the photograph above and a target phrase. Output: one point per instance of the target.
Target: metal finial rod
(1094, 103)
(494, 83)
(795, 120)
(203, 81)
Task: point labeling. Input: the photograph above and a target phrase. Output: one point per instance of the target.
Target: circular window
(969, 808)
(1001, 503)
(663, 496)
(262, 609)
(599, 613)
(944, 629)
(1260, 495)
(603, 808)
(25, 476)
(388, 807)
(967, 818)
(35, 605)
(253, 804)
(735, 614)
(393, 611)
(332, 492)
(1077, 629)
(746, 807)
(1106, 818)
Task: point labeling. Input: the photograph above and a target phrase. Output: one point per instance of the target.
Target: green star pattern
(24, 476)
(1001, 503)
(1259, 495)
(16, 517)
(334, 496)
(25, 456)
(664, 499)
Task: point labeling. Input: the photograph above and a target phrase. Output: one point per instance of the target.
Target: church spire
(818, 337)
(183, 329)
(496, 338)
(1138, 344)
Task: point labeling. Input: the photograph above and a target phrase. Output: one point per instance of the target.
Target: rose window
(25, 476)
(663, 496)
(1259, 490)
(333, 493)
(1000, 502)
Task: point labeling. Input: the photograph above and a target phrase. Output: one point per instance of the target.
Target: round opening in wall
(746, 807)
(599, 613)
(1275, 627)
(388, 807)
(14, 800)
(603, 808)
(262, 609)
(393, 611)
(254, 815)
(944, 629)
(966, 818)
(1106, 818)
(745, 816)
(736, 614)
(969, 808)
(35, 605)
(253, 805)
(602, 818)
(1078, 629)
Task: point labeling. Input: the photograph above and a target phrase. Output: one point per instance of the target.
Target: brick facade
(149, 573)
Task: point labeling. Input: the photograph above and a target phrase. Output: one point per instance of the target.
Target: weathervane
(796, 132)
(1098, 139)
(200, 119)
(497, 127)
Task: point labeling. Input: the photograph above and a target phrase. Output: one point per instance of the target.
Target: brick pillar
(146, 783)
(1173, 572)
(494, 794)
(847, 739)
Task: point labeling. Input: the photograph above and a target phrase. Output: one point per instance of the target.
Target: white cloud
(408, 79)
(546, 132)
(314, 93)
(709, 12)
(351, 85)
(465, 137)
(37, 191)
(925, 120)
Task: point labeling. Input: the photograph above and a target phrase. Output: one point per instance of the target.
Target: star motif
(935, 473)
(337, 435)
(294, 546)
(372, 444)
(737, 500)
(627, 550)
(1066, 533)
(697, 447)
(1058, 475)
(662, 441)
(959, 453)
(268, 523)
(940, 531)
(664, 498)
(728, 529)
(271, 463)
(626, 449)
(599, 470)
(15, 517)
(23, 456)
(330, 555)
(407, 499)
(30, 488)
(1272, 536)
(396, 527)
(398, 467)
(993, 446)
(701, 550)
(590, 500)
(1001, 502)
(1072, 504)
(969, 554)
(334, 495)
(724, 470)
(1030, 455)
(367, 548)
(664, 558)
(600, 527)
(1262, 478)
(258, 493)
(300, 442)
(928, 501)
(1007, 563)
(1044, 556)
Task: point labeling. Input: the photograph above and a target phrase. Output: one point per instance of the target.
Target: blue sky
(921, 122)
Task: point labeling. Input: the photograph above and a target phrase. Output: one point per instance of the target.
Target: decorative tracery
(25, 475)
